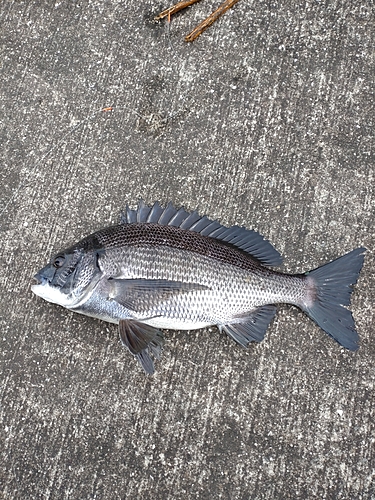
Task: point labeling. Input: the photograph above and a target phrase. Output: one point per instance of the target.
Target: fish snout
(45, 275)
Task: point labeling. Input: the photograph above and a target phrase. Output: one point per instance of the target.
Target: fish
(168, 268)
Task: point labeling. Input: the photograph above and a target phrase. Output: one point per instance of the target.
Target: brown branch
(209, 20)
(175, 8)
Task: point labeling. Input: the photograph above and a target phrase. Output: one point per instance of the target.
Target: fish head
(69, 277)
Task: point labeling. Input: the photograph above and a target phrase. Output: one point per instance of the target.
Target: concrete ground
(265, 121)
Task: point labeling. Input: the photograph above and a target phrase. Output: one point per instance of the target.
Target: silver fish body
(167, 268)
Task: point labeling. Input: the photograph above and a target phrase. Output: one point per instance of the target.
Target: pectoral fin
(252, 327)
(140, 294)
(141, 340)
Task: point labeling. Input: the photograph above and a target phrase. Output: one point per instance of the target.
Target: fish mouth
(49, 293)
(38, 285)
(40, 282)
(40, 279)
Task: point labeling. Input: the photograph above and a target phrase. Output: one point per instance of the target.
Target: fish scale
(168, 268)
(231, 290)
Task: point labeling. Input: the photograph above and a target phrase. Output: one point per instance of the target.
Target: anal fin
(252, 327)
(141, 340)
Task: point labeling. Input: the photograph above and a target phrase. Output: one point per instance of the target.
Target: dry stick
(175, 8)
(209, 20)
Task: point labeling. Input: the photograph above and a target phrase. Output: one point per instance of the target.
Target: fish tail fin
(329, 290)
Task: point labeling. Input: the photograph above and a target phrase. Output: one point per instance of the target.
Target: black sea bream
(167, 268)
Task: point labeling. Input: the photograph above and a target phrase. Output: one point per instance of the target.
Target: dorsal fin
(247, 240)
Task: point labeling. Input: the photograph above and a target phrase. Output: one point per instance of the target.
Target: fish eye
(58, 261)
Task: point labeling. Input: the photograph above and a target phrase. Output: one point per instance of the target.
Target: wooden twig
(175, 8)
(209, 20)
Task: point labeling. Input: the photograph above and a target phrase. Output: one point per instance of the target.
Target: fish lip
(40, 279)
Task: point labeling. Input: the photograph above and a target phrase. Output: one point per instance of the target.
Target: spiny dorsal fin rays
(129, 216)
(143, 211)
(190, 220)
(180, 216)
(247, 240)
(155, 212)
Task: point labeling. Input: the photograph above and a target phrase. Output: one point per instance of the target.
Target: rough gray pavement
(267, 121)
